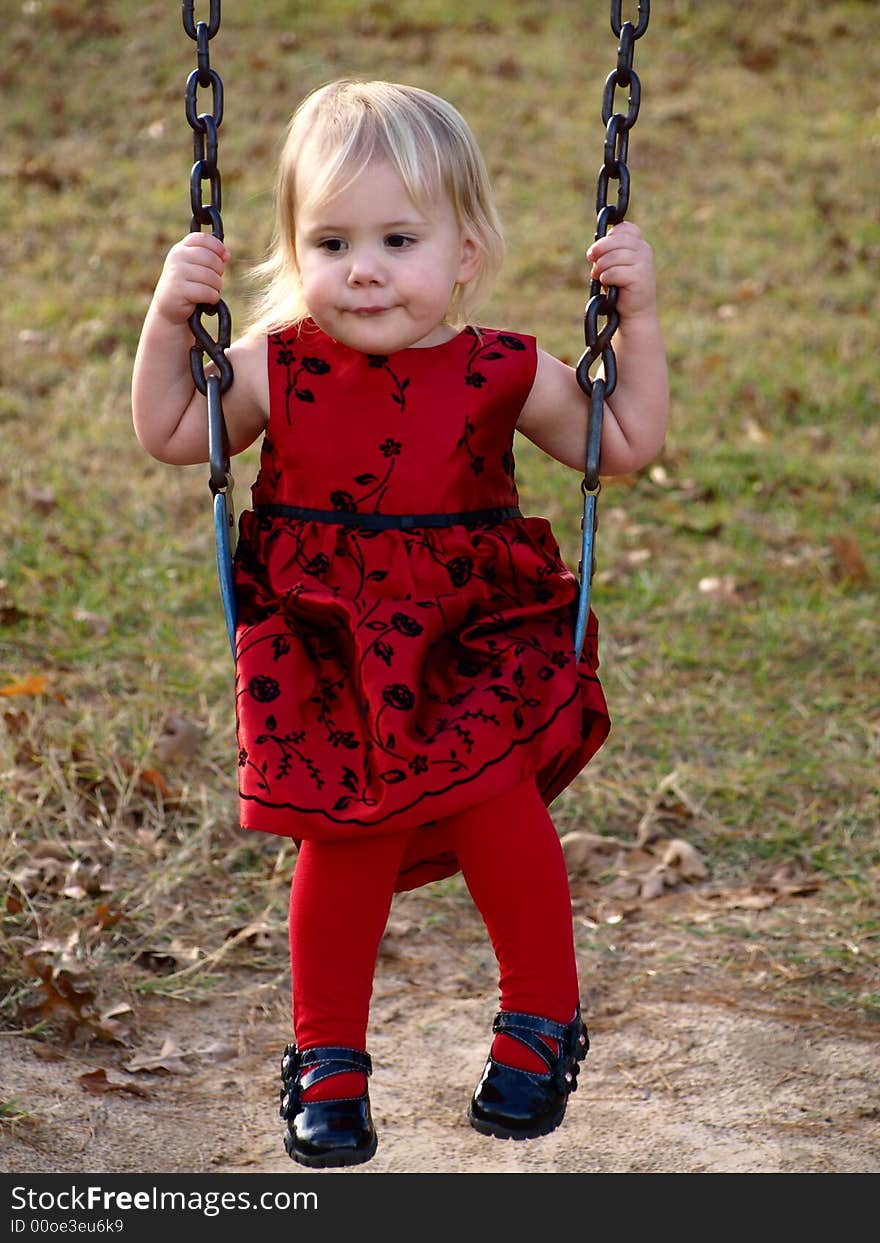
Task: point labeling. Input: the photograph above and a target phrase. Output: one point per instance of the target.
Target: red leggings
(511, 858)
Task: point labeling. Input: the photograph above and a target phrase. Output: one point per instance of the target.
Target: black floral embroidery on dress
(400, 623)
(488, 352)
(380, 361)
(326, 698)
(406, 625)
(264, 689)
(470, 666)
(288, 359)
(343, 501)
(397, 695)
(461, 731)
(318, 566)
(460, 570)
(478, 462)
(288, 746)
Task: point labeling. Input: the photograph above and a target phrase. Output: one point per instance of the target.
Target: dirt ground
(681, 1078)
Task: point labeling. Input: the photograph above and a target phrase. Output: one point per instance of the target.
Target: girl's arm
(170, 414)
(636, 414)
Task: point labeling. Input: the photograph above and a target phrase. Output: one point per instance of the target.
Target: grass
(737, 577)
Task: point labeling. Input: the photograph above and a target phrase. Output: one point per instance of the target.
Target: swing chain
(602, 304)
(205, 126)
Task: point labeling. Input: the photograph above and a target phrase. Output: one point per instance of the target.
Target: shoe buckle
(566, 1077)
(290, 1098)
(290, 1064)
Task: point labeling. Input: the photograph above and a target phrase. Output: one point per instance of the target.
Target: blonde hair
(339, 128)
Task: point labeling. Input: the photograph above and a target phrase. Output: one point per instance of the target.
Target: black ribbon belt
(389, 522)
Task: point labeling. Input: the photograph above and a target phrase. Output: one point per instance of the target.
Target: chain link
(602, 303)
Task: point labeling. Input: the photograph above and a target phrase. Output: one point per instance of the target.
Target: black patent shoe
(521, 1104)
(331, 1132)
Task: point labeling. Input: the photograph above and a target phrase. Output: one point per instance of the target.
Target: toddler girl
(408, 701)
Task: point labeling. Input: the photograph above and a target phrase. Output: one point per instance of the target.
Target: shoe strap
(322, 1061)
(528, 1029)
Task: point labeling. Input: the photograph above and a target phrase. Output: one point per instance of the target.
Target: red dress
(391, 670)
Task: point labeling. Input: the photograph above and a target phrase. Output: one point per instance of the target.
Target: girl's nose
(365, 267)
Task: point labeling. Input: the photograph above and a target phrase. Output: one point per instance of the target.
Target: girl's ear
(470, 260)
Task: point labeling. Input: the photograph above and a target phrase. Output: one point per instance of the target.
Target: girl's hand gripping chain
(192, 274)
(170, 414)
(623, 258)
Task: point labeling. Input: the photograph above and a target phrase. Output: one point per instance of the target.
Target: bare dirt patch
(700, 1075)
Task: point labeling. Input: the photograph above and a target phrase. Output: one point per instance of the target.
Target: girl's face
(377, 273)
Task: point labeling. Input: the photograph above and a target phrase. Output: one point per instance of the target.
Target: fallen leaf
(684, 859)
(724, 588)
(668, 806)
(218, 1051)
(750, 900)
(167, 958)
(66, 995)
(791, 878)
(88, 876)
(257, 934)
(152, 779)
(33, 684)
(622, 887)
(16, 723)
(97, 1083)
(180, 739)
(849, 564)
(654, 883)
(401, 928)
(149, 781)
(748, 290)
(41, 500)
(48, 875)
(11, 614)
(103, 916)
(50, 850)
(169, 1059)
(584, 851)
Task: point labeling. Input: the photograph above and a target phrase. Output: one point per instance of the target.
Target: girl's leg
(339, 903)
(512, 861)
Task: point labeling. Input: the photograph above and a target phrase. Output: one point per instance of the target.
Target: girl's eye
(398, 240)
(332, 244)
